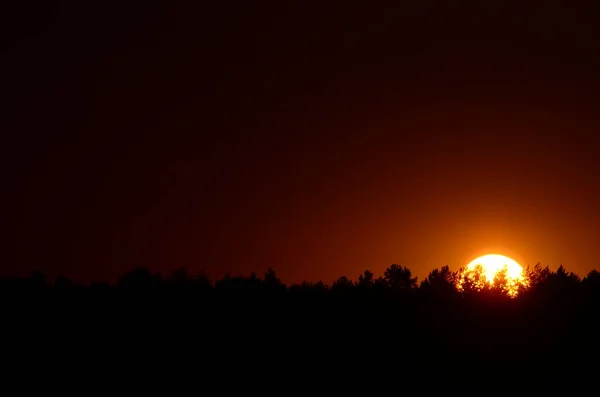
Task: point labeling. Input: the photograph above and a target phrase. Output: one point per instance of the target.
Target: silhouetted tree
(591, 282)
(224, 282)
(563, 283)
(309, 287)
(501, 286)
(399, 277)
(470, 281)
(568, 277)
(180, 277)
(365, 280)
(342, 284)
(537, 275)
(202, 280)
(440, 281)
(272, 282)
(253, 280)
(240, 283)
(139, 278)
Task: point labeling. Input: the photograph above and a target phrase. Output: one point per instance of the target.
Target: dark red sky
(321, 139)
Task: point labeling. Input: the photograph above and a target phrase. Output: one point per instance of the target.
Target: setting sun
(491, 265)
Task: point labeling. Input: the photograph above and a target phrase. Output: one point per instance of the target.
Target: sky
(318, 138)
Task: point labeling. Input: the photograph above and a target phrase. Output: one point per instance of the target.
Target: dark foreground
(537, 341)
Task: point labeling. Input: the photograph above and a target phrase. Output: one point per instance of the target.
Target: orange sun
(490, 265)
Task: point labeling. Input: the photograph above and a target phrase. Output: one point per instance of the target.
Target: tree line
(451, 316)
(440, 281)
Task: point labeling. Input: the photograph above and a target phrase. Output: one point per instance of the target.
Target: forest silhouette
(552, 322)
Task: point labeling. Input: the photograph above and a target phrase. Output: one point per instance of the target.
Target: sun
(491, 265)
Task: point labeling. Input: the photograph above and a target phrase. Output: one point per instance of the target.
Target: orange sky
(320, 142)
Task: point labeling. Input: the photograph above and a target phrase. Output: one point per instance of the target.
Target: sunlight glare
(491, 264)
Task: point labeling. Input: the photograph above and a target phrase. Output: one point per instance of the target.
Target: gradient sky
(320, 139)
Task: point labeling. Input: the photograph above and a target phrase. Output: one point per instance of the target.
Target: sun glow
(485, 269)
